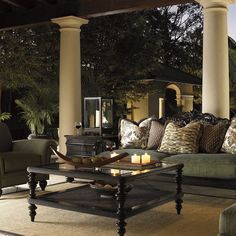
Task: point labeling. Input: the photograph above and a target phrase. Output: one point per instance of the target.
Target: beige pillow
(179, 139)
(134, 135)
(229, 144)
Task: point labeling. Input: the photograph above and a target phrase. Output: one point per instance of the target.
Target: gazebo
(71, 15)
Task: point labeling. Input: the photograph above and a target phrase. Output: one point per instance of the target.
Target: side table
(89, 145)
(83, 145)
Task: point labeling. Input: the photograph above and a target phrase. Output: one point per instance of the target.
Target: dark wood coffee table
(143, 196)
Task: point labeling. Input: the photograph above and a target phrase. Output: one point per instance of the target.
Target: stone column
(70, 76)
(215, 91)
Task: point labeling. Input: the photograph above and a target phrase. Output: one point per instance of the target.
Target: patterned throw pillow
(134, 135)
(179, 139)
(155, 135)
(229, 144)
(212, 137)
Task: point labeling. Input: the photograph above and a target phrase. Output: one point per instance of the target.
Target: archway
(172, 99)
(178, 92)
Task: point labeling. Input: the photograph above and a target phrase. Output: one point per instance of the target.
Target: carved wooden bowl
(107, 190)
(87, 162)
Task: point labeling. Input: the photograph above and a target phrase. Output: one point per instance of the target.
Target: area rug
(199, 216)
(54, 179)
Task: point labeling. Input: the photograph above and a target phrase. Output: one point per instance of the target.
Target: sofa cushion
(155, 135)
(179, 139)
(15, 161)
(212, 137)
(227, 224)
(220, 165)
(5, 138)
(157, 156)
(229, 144)
(134, 135)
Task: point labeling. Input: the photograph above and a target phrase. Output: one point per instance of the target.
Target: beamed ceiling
(26, 12)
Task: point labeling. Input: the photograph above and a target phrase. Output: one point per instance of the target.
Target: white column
(187, 103)
(161, 107)
(70, 76)
(215, 90)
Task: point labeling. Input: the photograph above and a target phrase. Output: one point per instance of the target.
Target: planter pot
(39, 136)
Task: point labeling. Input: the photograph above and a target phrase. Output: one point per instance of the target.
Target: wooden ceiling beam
(20, 4)
(89, 8)
(39, 14)
(45, 2)
(81, 8)
(13, 4)
(4, 7)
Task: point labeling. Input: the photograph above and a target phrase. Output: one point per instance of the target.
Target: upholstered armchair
(16, 156)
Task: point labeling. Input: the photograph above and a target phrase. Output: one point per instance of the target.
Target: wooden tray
(127, 165)
(103, 160)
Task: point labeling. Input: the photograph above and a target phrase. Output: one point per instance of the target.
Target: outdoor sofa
(211, 162)
(16, 156)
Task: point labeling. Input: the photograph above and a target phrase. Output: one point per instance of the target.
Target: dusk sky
(232, 21)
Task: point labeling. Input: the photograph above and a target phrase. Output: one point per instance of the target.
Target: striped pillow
(179, 139)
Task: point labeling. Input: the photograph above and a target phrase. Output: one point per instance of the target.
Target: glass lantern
(98, 115)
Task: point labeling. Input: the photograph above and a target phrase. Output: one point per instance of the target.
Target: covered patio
(72, 15)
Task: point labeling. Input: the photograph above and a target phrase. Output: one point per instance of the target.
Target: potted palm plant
(38, 108)
(5, 116)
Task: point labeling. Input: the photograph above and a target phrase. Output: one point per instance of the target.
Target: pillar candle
(97, 121)
(113, 154)
(115, 172)
(145, 158)
(135, 159)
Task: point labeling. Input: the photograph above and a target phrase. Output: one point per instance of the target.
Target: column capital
(215, 3)
(72, 22)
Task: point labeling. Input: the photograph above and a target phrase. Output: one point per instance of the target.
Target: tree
(120, 51)
(28, 56)
(232, 74)
(29, 64)
(180, 28)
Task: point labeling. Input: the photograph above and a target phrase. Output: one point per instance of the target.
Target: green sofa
(200, 169)
(217, 170)
(16, 156)
(203, 165)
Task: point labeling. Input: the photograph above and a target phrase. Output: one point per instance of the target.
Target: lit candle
(115, 172)
(97, 121)
(135, 159)
(145, 158)
(113, 154)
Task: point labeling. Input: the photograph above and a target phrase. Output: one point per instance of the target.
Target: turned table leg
(43, 184)
(32, 186)
(178, 180)
(120, 197)
(69, 179)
